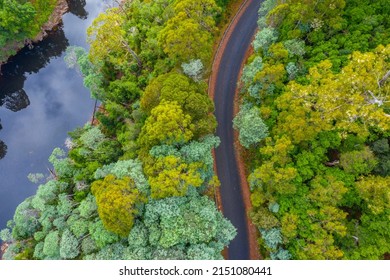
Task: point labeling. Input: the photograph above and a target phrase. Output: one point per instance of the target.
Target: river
(40, 101)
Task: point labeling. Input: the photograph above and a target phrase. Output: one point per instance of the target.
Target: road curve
(235, 44)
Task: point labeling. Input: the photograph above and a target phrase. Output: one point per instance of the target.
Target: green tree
(51, 248)
(185, 221)
(169, 176)
(108, 40)
(25, 221)
(101, 236)
(358, 162)
(167, 124)
(193, 69)
(192, 98)
(375, 190)
(264, 39)
(69, 246)
(184, 39)
(116, 200)
(250, 126)
(15, 19)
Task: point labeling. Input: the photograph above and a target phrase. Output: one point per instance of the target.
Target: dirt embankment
(54, 21)
(3, 248)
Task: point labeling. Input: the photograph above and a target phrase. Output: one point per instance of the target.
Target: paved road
(227, 76)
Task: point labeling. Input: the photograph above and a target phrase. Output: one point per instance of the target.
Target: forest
(137, 182)
(315, 124)
(21, 20)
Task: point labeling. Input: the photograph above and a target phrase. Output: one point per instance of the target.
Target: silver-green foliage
(65, 205)
(88, 246)
(113, 251)
(173, 253)
(69, 246)
(295, 47)
(25, 220)
(78, 225)
(193, 69)
(204, 252)
(292, 70)
(186, 220)
(274, 207)
(51, 246)
(92, 137)
(100, 235)
(35, 177)
(265, 8)
(194, 151)
(6, 235)
(38, 251)
(264, 39)
(281, 254)
(250, 70)
(250, 126)
(126, 168)
(77, 57)
(88, 207)
(62, 165)
(200, 151)
(272, 237)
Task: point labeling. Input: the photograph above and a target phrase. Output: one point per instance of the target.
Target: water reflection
(77, 7)
(3, 146)
(3, 149)
(31, 60)
(41, 100)
(27, 61)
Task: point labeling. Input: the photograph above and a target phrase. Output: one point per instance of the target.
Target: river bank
(3, 248)
(54, 21)
(36, 87)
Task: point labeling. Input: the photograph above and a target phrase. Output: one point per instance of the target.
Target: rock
(3, 248)
(54, 20)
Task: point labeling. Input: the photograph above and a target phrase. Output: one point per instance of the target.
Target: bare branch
(385, 77)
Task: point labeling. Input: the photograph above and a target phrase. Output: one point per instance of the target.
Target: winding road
(225, 74)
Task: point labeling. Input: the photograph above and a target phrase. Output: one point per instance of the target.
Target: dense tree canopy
(20, 20)
(116, 200)
(319, 180)
(138, 182)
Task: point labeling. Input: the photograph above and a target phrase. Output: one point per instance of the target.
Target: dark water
(40, 101)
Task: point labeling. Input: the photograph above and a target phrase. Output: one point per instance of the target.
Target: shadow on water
(27, 61)
(40, 100)
(3, 146)
(77, 7)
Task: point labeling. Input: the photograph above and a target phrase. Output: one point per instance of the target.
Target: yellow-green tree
(190, 96)
(171, 176)
(167, 124)
(107, 37)
(353, 101)
(117, 200)
(375, 190)
(188, 35)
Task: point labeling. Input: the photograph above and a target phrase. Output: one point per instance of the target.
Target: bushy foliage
(264, 39)
(193, 69)
(319, 179)
(129, 168)
(20, 20)
(69, 246)
(250, 126)
(116, 200)
(146, 156)
(25, 220)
